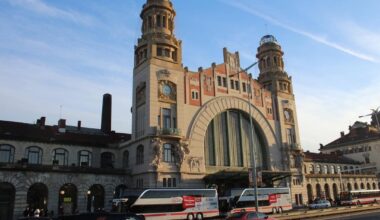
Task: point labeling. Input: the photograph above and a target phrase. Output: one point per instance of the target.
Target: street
(370, 215)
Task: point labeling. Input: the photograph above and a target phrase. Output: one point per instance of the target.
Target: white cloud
(323, 40)
(40, 7)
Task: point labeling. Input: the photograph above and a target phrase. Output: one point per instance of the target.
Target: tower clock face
(166, 90)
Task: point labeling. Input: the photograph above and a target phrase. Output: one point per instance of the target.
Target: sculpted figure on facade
(157, 152)
(195, 164)
(180, 150)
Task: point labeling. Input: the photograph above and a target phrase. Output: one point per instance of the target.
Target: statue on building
(180, 150)
(157, 152)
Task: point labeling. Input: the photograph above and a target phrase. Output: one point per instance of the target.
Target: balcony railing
(169, 131)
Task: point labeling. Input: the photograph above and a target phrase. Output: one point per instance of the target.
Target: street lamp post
(374, 112)
(251, 134)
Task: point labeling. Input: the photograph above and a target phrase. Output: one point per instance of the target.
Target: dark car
(103, 216)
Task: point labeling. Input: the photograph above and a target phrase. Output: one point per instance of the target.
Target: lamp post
(253, 157)
(375, 112)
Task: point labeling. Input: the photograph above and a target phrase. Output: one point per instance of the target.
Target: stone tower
(157, 90)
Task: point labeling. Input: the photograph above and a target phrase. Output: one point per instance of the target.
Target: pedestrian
(37, 213)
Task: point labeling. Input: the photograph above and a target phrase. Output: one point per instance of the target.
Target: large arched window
(311, 168)
(126, 159)
(34, 155)
(84, 158)
(60, 157)
(140, 154)
(7, 153)
(332, 169)
(325, 169)
(169, 153)
(228, 142)
(107, 160)
(318, 169)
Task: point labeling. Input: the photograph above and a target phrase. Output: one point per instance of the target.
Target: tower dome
(268, 39)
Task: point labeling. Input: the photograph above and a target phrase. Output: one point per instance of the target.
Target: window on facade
(332, 169)
(169, 182)
(290, 136)
(194, 95)
(34, 155)
(140, 154)
(338, 169)
(318, 168)
(219, 78)
(237, 85)
(163, 21)
(244, 87)
(311, 168)
(107, 160)
(232, 84)
(150, 23)
(158, 20)
(159, 51)
(126, 159)
(166, 117)
(84, 157)
(174, 55)
(167, 52)
(169, 153)
(60, 157)
(325, 169)
(6, 153)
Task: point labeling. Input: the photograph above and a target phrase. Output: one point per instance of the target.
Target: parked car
(318, 204)
(248, 216)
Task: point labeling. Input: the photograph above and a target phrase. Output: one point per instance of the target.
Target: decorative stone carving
(157, 152)
(180, 150)
(288, 115)
(163, 74)
(195, 164)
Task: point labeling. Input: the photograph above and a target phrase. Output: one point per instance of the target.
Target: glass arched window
(34, 155)
(126, 159)
(311, 168)
(7, 153)
(107, 160)
(318, 169)
(332, 169)
(84, 158)
(140, 154)
(325, 169)
(169, 153)
(61, 157)
(339, 169)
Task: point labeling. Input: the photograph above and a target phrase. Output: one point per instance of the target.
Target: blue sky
(69, 53)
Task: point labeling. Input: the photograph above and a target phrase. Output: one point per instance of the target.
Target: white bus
(356, 197)
(270, 200)
(168, 204)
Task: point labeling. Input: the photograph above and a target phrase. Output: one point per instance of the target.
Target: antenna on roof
(60, 111)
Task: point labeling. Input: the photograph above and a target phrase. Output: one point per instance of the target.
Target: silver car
(318, 204)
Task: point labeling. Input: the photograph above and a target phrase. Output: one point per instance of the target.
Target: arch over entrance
(95, 198)
(335, 191)
(318, 190)
(349, 186)
(37, 196)
(309, 193)
(327, 191)
(7, 199)
(198, 128)
(228, 142)
(67, 201)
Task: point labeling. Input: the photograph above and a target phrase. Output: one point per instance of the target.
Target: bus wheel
(199, 216)
(280, 210)
(274, 211)
(190, 216)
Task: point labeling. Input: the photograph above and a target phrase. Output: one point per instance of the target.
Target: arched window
(311, 168)
(361, 185)
(368, 186)
(373, 185)
(356, 186)
(7, 153)
(339, 169)
(332, 169)
(169, 153)
(34, 155)
(107, 160)
(126, 159)
(318, 169)
(325, 169)
(140, 154)
(84, 158)
(60, 157)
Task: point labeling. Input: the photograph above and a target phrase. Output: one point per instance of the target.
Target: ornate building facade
(192, 128)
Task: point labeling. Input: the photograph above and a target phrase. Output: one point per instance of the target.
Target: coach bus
(168, 204)
(356, 197)
(270, 200)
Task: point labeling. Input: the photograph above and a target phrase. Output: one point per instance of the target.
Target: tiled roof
(49, 134)
(328, 158)
(359, 132)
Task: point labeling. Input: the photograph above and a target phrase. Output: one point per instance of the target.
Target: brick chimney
(79, 125)
(106, 113)
(62, 125)
(342, 134)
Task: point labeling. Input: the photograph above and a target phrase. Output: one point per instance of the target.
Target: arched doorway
(335, 191)
(349, 186)
(95, 198)
(327, 191)
(356, 186)
(309, 193)
(361, 185)
(67, 202)
(37, 196)
(119, 191)
(318, 190)
(368, 186)
(7, 199)
(373, 185)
